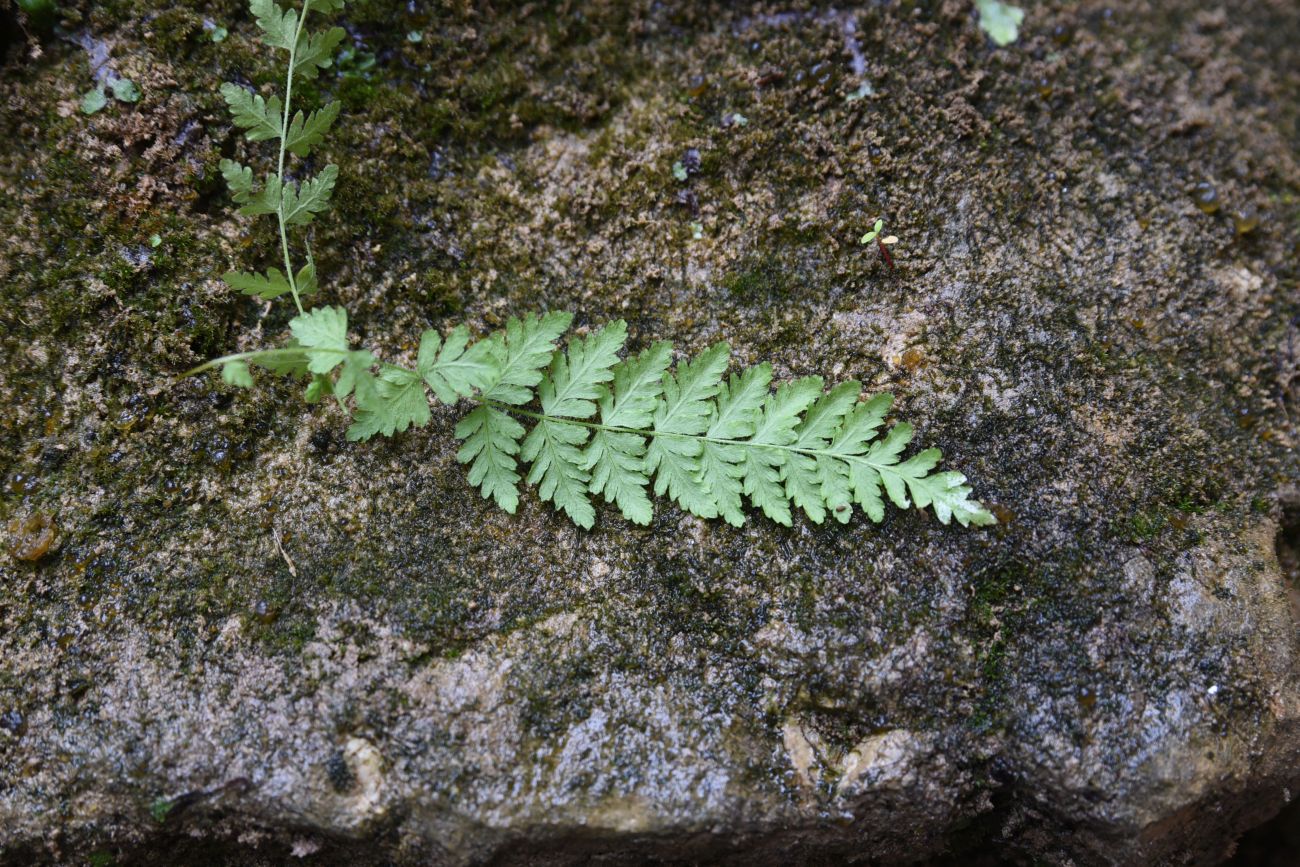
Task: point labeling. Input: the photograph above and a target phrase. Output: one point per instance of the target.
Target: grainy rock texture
(229, 637)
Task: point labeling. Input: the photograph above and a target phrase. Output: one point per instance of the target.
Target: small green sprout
(415, 36)
(679, 171)
(219, 33)
(1001, 21)
(160, 808)
(125, 90)
(862, 92)
(882, 244)
(93, 100)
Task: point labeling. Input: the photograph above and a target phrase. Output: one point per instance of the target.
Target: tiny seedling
(1001, 21)
(864, 90)
(93, 100)
(882, 243)
(123, 89)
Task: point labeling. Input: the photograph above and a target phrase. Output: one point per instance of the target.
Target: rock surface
(229, 637)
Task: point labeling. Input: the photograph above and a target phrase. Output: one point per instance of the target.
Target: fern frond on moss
(707, 443)
(585, 421)
(271, 119)
(620, 428)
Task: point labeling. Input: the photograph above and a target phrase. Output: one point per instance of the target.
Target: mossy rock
(248, 638)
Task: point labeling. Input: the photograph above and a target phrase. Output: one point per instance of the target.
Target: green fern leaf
(294, 365)
(278, 25)
(616, 459)
(554, 450)
(845, 479)
(524, 348)
(236, 373)
(864, 471)
(803, 474)
(569, 390)
(942, 491)
(355, 378)
(316, 52)
(267, 286)
(265, 202)
(239, 178)
(305, 281)
(860, 425)
(947, 494)
(491, 443)
(681, 416)
(734, 415)
(776, 425)
(305, 132)
(575, 378)
(397, 402)
(324, 335)
(451, 370)
(301, 205)
(260, 118)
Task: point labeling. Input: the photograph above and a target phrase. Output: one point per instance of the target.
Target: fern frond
(805, 473)
(323, 329)
(315, 52)
(239, 178)
(258, 117)
(397, 402)
(307, 131)
(278, 25)
(553, 447)
(451, 370)
(525, 348)
(734, 415)
(303, 203)
(265, 202)
(706, 443)
(491, 443)
(306, 279)
(764, 454)
(616, 459)
(681, 415)
(267, 286)
(236, 373)
(575, 378)
(568, 391)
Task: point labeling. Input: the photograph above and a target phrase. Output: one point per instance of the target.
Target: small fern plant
(586, 421)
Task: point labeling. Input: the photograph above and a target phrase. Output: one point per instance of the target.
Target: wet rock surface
(227, 636)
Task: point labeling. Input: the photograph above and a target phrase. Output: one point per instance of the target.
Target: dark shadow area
(1274, 844)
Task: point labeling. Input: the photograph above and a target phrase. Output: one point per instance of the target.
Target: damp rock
(289, 641)
(32, 537)
(1206, 197)
(1245, 219)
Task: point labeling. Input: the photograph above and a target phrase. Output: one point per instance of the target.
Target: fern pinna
(586, 421)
